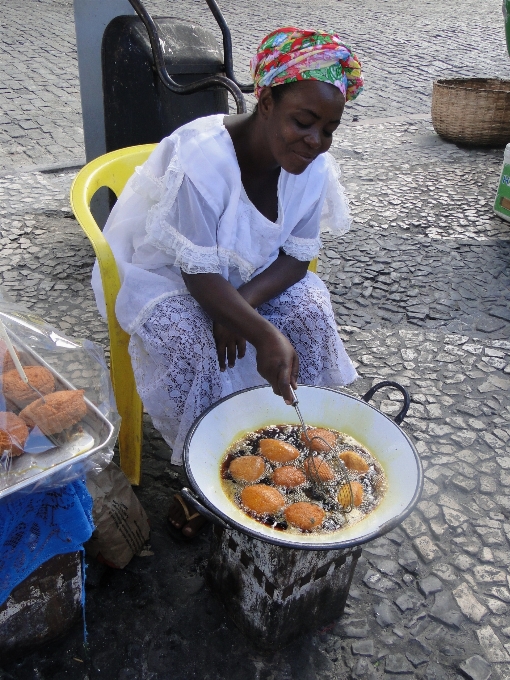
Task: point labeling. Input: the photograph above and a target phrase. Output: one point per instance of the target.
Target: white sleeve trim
(189, 257)
(303, 249)
(335, 217)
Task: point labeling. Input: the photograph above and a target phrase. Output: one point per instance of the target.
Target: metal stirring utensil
(320, 486)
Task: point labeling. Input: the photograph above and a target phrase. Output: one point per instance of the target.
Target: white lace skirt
(176, 366)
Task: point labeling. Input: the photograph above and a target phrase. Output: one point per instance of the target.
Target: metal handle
(391, 383)
(227, 46)
(168, 81)
(190, 498)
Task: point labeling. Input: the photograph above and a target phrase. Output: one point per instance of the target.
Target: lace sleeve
(304, 241)
(303, 249)
(335, 216)
(180, 222)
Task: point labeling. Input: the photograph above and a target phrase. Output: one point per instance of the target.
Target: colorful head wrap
(290, 54)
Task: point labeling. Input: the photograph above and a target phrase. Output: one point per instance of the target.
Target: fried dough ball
(305, 516)
(13, 434)
(247, 468)
(317, 444)
(21, 394)
(317, 468)
(344, 496)
(57, 412)
(6, 362)
(277, 451)
(353, 461)
(262, 499)
(288, 476)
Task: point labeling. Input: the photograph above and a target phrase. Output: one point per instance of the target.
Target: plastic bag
(68, 424)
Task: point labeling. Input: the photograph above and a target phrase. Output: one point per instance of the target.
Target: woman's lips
(305, 159)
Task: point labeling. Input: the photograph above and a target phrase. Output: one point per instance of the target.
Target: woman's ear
(265, 103)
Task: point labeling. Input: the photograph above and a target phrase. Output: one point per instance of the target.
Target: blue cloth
(36, 527)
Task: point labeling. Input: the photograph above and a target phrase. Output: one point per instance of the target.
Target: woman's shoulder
(202, 151)
(206, 136)
(206, 156)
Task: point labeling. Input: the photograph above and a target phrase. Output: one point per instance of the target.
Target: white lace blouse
(186, 209)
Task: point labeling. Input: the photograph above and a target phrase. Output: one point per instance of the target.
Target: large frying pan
(229, 419)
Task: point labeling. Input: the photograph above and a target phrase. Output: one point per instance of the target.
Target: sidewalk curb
(75, 164)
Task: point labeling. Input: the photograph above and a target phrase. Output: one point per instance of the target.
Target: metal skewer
(320, 487)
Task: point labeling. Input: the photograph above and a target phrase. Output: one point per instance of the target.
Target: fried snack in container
(247, 468)
(318, 470)
(305, 516)
(58, 411)
(288, 476)
(344, 495)
(277, 451)
(19, 393)
(262, 499)
(353, 461)
(316, 444)
(13, 434)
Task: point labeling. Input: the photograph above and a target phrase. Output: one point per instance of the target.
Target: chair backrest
(113, 171)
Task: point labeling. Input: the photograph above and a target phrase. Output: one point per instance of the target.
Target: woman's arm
(283, 273)
(280, 275)
(277, 360)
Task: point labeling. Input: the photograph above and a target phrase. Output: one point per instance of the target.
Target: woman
(213, 237)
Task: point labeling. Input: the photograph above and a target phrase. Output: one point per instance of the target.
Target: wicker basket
(472, 111)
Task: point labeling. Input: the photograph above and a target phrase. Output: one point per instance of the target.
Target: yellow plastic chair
(113, 171)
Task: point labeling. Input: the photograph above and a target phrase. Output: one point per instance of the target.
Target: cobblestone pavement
(420, 288)
(40, 119)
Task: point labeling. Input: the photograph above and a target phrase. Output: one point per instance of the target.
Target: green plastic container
(506, 14)
(502, 202)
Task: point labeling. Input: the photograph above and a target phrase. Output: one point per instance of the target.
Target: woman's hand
(236, 322)
(278, 363)
(228, 343)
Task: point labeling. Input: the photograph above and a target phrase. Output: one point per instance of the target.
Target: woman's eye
(303, 126)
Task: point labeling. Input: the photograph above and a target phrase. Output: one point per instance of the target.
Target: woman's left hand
(228, 344)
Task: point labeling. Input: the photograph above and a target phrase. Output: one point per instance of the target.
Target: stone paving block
(445, 572)
(418, 652)
(445, 610)
(491, 645)
(427, 550)
(476, 668)
(363, 648)
(385, 613)
(453, 517)
(429, 585)
(375, 581)
(487, 574)
(413, 526)
(469, 605)
(397, 664)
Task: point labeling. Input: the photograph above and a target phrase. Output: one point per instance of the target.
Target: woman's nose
(313, 139)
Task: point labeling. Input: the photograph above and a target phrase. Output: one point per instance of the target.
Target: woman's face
(300, 125)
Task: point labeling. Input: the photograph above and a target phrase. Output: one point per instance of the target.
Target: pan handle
(190, 498)
(391, 383)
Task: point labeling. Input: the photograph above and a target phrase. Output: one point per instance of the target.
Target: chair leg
(130, 441)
